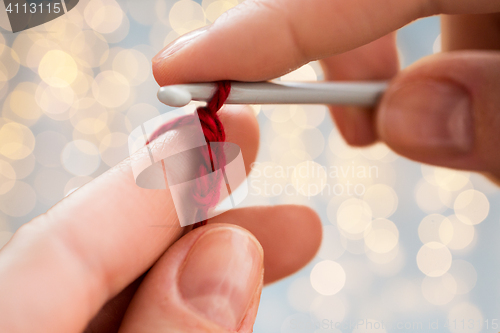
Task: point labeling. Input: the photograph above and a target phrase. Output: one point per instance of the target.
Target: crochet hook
(277, 92)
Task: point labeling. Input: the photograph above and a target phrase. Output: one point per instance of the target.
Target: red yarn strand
(206, 190)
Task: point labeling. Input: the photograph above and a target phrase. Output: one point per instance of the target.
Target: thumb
(445, 110)
(209, 281)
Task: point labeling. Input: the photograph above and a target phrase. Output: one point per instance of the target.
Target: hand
(84, 261)
(444, 110)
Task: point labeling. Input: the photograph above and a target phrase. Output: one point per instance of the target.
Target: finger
(242, 128)
(471, 32)
(466, 32)
(92, 245)
(110, 316)
(263, 39)
(279, 229)
(377, 60)
(209, 281)
(444, 111)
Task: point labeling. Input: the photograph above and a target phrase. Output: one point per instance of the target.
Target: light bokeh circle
(328, 277)
(16, 141)
(381, 236)
(471, 207)
(434, 259)
(439, 290)
(80, 157)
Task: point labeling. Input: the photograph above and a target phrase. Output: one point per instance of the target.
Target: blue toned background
(414, 245)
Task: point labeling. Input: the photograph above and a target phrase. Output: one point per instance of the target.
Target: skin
(94, 258)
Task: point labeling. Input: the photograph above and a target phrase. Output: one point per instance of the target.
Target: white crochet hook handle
(330, 93)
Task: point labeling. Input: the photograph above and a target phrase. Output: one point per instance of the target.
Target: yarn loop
(205, 193)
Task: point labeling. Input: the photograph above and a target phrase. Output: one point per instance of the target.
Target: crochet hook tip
(174, 96)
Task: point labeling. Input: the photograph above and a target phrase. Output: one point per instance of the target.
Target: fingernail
(178, 44)
(221, 274)
(428, 115)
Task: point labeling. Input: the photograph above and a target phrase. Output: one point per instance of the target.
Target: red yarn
(206, 190)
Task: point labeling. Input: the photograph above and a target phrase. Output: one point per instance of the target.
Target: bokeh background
(405, 244)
